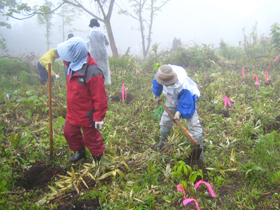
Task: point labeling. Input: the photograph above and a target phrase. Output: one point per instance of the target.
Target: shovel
(195, 154)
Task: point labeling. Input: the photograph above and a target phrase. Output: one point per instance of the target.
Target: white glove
(158, 99)
(177, 115)
(98, 125)
(57, 76)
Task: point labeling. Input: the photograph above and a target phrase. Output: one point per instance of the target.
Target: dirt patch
(229, 189)
(83, 204)
(118, 98)
(40, 174)
(268, 83)
(225, 113)
(274, 125)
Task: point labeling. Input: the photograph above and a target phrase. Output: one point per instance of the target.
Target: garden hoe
(195, 154)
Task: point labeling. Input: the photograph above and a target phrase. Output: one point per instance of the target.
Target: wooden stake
(50, 111)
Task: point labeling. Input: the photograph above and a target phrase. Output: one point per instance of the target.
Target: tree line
(144, 11)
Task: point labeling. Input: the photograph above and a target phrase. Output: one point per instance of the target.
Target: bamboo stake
(50, 111)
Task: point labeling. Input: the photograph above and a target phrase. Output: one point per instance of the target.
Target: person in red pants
(86, 100)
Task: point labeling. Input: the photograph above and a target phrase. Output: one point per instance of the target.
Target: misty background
(194, 22)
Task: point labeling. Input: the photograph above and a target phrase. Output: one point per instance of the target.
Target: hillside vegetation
(241, 142)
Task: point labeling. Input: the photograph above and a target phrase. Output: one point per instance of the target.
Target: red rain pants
(92, 138)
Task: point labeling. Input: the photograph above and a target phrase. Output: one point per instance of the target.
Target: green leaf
(20, 99)
(24, 139)
(29, 92)
(189, 168)
(180, 168)
(184, 185)
(61, 121)
(186, 172)
(33, 98)
(12, 139)
(193, 177)
(61, 95)
(29, 114)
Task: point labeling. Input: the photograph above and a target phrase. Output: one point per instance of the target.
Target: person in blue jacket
(181, 93)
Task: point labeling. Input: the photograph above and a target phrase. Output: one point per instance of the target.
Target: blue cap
(74, 51)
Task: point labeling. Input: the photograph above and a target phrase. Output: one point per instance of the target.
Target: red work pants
(92, 138)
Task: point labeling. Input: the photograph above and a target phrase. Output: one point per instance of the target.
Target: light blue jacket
(182, 94)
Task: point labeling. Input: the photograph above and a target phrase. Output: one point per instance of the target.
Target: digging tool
(195, 154)
(50, 111)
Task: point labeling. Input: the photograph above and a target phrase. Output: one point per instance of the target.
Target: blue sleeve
(187, 103)
(157, 88)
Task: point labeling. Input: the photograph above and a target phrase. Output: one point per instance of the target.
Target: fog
(200, 21)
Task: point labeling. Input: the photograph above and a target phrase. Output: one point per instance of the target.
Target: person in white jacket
(96, 43)
(181, 93)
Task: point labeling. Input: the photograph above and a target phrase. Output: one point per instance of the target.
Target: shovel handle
(186, 132)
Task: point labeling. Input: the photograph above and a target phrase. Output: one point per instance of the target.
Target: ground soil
(83, 204)
(274, 125)
(118, 98)
(39, 175)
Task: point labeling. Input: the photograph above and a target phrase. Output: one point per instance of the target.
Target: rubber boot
(79, 155)
(97, 158)
(163, 137)
(198, 138)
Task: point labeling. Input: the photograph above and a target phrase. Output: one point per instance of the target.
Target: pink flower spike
(257, 79)
(187, 201)
(276, 58)
(243, 73)
(207, 184)
(58, 74)
(266, 76)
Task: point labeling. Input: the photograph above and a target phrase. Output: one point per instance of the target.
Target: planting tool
(50, 110)
(195, 154)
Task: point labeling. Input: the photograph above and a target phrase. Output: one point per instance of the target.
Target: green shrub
(15, 73)
(197, 57)
(230, 52)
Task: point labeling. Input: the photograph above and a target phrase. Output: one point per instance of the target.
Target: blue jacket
(182, 94)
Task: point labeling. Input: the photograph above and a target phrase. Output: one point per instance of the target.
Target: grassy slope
(242, 155)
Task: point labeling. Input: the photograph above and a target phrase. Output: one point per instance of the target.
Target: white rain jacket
(182, 94)
(96, 43)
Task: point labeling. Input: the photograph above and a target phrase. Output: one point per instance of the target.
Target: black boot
(97, 159)
(79, 155)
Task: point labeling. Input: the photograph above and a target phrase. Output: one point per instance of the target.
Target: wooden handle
(186, 132)
(50, 109)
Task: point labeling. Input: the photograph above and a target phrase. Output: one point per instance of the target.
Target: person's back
(96, 43)
(43, 65)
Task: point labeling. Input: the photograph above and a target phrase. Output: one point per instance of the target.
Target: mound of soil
(83, 204)
(118, 98)
(40, 174)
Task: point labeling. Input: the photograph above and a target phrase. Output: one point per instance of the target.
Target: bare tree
(139, 8)
(104, 17)
(68, 16)
(4, 4)
(45, 18)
